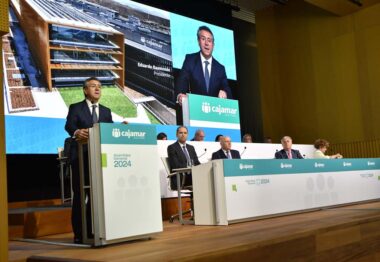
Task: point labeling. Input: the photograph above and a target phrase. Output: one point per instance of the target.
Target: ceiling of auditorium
(254, 5)
(337, 7)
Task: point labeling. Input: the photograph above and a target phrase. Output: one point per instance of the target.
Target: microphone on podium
(243, 151)
(203, 153)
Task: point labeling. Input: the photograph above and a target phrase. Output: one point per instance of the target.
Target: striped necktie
(229, 154)
(289, 153)
(188, 159)
(94, 115)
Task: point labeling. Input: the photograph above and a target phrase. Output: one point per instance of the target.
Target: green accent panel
(104, 160)
(212, 109)
(135, 134)
(247, 167)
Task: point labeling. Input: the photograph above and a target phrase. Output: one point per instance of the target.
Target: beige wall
(3, 172)
(319, 73)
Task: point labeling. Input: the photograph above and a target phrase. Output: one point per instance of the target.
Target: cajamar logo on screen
(206, 108)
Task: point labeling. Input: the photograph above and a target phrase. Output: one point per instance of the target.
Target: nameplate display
(295, 166)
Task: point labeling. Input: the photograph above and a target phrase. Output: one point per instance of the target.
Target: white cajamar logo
(316, 165)
(220, 110)
(347, 164)
(245, 166)
(285, 165)
(206, 108)
(116, 132)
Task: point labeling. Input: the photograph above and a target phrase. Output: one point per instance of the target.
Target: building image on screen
(148, 62)
(134, 49)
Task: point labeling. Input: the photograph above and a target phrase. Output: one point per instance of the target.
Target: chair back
(165, 161)
(67, 148)
(173, 176)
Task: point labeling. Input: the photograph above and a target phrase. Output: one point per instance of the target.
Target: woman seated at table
(321, 145)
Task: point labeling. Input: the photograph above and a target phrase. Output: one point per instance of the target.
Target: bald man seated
(287, 152)
(225, 152)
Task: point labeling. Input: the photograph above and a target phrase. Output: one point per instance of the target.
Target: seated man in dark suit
(225, 151)
(201, 73)
(287, 152)
(182, 155)
(80, 118)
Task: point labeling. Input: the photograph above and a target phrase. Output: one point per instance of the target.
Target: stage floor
(350, 233)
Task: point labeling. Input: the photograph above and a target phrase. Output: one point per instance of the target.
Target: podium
(124, 183)
(207, 111)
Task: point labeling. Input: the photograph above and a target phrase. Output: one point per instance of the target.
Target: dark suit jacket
(283, 155)
(221, 155)
(191, 78)
(177, 159)
(79, 117)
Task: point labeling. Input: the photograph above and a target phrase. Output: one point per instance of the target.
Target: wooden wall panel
(319, 73)
(357, 149)
(341, 7)
(268, 67)
(3, 174)
(4, 27)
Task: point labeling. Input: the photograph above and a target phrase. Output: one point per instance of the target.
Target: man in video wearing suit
(287, 152)
(201, 73)
(80, 118)
(225, 152)
(182, 155)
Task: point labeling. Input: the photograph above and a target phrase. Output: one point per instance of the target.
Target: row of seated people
(182, 154)
(321, 146)
(200, 135)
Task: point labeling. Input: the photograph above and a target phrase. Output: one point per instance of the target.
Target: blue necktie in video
(207, 75)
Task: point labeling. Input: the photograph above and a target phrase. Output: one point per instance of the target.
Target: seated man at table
(287, 152)
(199, 135)
(247, 138)
(225, 152)
(182, 155)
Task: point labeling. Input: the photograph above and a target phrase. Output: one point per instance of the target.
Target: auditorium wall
(319, 73)
(247, 89)
(3, 172)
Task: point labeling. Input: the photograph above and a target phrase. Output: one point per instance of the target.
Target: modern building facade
(69, 45)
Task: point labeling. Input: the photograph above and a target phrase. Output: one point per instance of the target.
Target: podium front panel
(130, 181)
(207, 111)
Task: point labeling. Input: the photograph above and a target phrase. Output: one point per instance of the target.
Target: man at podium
(80, 118)
(201, 73)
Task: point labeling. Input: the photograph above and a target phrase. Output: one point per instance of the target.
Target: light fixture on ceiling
(233, 4)
(281, 2)
(357, 2)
